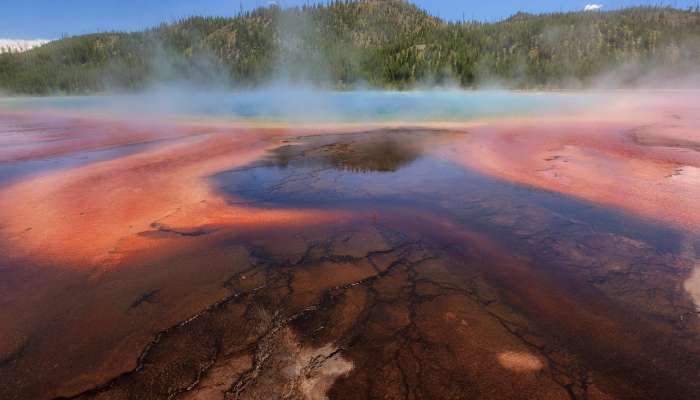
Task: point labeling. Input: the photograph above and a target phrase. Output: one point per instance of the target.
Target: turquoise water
(310, 105)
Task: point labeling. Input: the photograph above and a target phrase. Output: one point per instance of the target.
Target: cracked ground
(362, 264)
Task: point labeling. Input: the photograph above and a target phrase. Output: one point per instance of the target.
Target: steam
(304, 103)
(20, 45)
(297, 63)
(298, 59)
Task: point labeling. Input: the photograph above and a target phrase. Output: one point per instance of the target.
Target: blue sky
(29, 19)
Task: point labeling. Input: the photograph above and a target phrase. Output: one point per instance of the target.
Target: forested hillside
(383, 43)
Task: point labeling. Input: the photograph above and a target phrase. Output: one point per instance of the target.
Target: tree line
(381, 43)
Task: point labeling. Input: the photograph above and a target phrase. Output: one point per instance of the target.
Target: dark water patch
(310, 175)
(160, 230)
(146, 297)
(383, 150)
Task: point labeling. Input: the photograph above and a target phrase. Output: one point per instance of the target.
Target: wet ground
(407, 262)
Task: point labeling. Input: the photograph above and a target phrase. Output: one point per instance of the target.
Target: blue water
(295, 104)
(430, 184)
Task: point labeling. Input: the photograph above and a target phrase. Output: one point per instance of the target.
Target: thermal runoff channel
(304, 243)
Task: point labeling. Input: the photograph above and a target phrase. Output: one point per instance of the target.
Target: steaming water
(576, 263)
(316, 106)
(278, 105)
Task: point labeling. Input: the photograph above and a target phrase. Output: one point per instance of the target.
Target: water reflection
(388, 170)
(378, 151)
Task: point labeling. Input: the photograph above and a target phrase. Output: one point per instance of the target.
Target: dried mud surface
(395, 263)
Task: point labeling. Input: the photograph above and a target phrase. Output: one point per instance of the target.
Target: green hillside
(383, 43)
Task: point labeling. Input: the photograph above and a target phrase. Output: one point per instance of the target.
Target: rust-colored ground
(638, 155)
(143, 276)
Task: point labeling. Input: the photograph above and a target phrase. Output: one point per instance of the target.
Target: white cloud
(592, 7)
